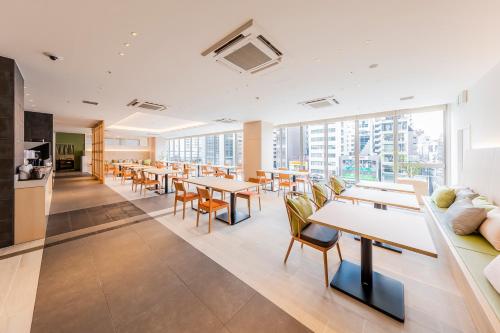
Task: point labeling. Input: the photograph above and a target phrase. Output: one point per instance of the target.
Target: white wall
(479, 121)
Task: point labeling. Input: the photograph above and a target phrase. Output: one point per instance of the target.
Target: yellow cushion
(320, 194)
(302, 207)
(443, 197)
(338, 184)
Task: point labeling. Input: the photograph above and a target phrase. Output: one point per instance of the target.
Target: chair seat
(151, 181)
(286, 183)
(188, 196)
(319, 235)
(216, 204)
(245, 194)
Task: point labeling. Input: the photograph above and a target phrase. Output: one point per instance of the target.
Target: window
(421, 147)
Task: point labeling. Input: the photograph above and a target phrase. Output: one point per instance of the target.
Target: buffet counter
(32, 207)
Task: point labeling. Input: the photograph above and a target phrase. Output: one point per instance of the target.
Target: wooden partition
(98, 151)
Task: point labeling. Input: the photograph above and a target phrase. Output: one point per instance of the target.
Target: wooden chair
(299, 208)
(147, 182)
(304, 180)
(116, 173)
(230, 176)
(181, 194)
(136, 180)
(218, 172)
(248, 194)
(263, 181)
(182, 176)
(285, 181)
(126, 174)
(205, 171)
(207, 204)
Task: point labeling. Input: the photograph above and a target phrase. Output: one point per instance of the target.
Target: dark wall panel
(11, 142)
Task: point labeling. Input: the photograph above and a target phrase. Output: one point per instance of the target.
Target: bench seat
(472, 254)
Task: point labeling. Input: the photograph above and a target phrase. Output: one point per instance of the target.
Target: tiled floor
(140, 278)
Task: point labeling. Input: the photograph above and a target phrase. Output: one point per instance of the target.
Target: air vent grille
(90, 102)
(320, 103)
(146, 105)
(225, 120)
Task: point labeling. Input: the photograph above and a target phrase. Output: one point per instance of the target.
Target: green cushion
(320, 194)
(443, 197)
(476, 262)
(482, 202)
(146, 162)
(302, 207)
(338, 184)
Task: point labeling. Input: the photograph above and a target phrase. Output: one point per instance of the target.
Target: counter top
(33, 182)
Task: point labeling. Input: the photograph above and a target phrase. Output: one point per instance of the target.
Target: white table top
(405, 230)
(288, 172)
(395, 187)
(395, 199)
(224, 184)
(163, 171)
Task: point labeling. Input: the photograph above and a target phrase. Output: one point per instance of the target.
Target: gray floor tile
(79, 219)
(261, 315)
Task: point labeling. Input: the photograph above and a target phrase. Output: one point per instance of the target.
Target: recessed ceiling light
(373, 66)
(368, 41)
(121, 54)
(126, 44)
(407, 98)
(133, 34)
(27, 94)
(31, 100)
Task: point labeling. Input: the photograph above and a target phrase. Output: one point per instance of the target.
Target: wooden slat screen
(98, 151)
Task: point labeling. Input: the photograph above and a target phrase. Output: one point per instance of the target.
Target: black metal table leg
(236, 217)
(272, 181)
(199, 170)
(166, 183)
(294, 178)
(372, 288)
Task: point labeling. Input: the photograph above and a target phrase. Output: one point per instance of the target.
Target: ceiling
(429, 49)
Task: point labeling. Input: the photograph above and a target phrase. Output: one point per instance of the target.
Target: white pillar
(257, 147)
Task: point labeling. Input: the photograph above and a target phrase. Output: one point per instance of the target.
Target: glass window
(346, 167)
(421, 147)
(314, 150)
(376, 149)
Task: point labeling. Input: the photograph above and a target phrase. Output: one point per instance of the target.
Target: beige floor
(253, 250)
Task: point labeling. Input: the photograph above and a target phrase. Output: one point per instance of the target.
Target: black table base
(238, 217)
(383, 246)
(371, 288)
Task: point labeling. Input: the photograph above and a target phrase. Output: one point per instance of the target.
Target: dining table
(231, 186)
(386, 186)
(293, 173)
(161, 172)
(402, 229)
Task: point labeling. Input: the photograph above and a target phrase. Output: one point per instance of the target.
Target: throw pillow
(464, 218)
(492, 273)
(465, 194)
(490, 228)
(482, 201)
(443, 196)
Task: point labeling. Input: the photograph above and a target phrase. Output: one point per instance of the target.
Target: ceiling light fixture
(133, 34)
(373, 66)
(27, 94)
(126, 44)
(121, 54)
(406, 98)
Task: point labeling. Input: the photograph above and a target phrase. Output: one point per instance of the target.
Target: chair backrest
(298, 209)
(229, 176)
(283, 176)
(282, 168)
(179, 187)
(204, 193)
(261, 174)
(320, 194)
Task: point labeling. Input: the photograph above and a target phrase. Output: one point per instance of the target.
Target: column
(257, 147)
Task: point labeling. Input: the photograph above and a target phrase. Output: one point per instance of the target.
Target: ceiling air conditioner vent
(146, 105)
(225, 120)
(90, 102)
(320, 103)
(245, 50)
